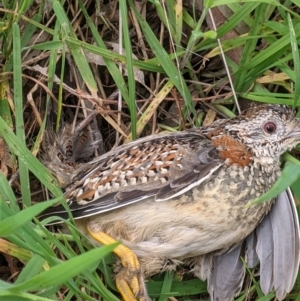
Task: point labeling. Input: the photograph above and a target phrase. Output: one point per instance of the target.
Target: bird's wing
(251, 254)
(281, 271)
(265, 252)
(161, 166)
(227, 275)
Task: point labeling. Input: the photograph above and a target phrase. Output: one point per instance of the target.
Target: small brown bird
(180, 197)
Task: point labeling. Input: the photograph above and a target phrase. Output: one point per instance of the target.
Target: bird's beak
(295, 133)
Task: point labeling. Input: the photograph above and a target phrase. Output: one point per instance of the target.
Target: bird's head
(267, 131)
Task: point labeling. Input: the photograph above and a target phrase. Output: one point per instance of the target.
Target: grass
(167, 71)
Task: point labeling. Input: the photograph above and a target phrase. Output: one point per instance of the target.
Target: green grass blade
(10, 224)
(250, 45)
(77, 51)
(24, 155)
(109, 57)
(33, 267)
(166, 287)
(66, 270)
(296, 59)
(172, 72)
(20, 296)
(129, 67)
(18, 99)
(7, 194)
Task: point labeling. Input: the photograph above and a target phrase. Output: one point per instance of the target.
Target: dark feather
(105, 204)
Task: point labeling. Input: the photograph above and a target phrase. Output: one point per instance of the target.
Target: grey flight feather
(284, 221)
(251, 255)
(279, 252)
(227, 275)
(265, 252)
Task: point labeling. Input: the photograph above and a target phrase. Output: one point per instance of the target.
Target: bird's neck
(232, 150)
(268, 166)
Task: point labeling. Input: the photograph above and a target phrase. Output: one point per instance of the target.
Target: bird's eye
(270, 127)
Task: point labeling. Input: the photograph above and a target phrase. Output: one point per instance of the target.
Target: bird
(180, 197)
